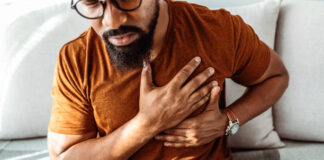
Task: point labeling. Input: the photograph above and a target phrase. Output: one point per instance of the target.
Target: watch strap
(230, 114)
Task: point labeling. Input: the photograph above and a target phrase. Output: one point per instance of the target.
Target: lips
(123, 39)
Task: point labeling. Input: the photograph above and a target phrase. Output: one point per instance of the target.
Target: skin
(171, 117)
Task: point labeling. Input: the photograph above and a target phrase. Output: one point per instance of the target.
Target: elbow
(285, 76)
(57, 152)
(61, 156)
(57, 156)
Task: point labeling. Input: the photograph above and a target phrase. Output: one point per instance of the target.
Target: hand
(165, 107)
(199, 130)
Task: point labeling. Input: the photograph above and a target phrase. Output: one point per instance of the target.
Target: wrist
(233, 122)
(146, 124)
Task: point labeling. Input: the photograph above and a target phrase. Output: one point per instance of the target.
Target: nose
(113, 17)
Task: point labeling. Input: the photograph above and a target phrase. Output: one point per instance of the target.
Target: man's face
(128, 35)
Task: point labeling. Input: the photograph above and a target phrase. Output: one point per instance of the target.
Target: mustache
(122, 30)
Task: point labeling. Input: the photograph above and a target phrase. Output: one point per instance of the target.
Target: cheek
(97, 26)
(143, 15)
(138, 20)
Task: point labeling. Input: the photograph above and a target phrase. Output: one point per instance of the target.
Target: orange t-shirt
(89, 94)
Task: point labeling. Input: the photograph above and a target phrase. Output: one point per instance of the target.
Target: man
(146, 81)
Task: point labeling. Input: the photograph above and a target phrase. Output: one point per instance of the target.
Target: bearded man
(146, 81)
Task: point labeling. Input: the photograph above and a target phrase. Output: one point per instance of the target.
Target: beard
(131, 56)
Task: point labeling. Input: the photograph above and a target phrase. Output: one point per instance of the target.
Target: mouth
(123, 39)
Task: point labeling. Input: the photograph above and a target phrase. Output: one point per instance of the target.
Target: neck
(160, 30)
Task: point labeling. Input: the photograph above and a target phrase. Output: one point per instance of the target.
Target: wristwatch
(233, 122)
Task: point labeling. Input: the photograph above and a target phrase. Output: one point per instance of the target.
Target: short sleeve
(71, 111)
(252, 56)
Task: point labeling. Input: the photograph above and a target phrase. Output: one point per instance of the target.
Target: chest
(115, 99)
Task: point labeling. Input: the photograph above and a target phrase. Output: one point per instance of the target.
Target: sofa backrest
(28, 54)
(300, 43)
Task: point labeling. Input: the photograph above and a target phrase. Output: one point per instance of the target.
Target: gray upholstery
(26, 149)
(30, 149)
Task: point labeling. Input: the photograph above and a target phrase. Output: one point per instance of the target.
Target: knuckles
(194, 125)
(194, 140)
(185, 73)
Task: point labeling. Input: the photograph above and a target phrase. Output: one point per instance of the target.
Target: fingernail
(214, 83)
(211, 70)
(144, 64)
(166, 144)
(198, 59)
(214, 90)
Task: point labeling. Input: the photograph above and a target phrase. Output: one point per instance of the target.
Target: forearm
(120, 144)
(259, 98)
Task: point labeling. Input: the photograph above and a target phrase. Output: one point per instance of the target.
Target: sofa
(292, 129)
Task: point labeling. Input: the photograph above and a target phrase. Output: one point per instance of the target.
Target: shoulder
(186, 8)
(75, 47)
(218, 21)
(79, 46)
(74, 55)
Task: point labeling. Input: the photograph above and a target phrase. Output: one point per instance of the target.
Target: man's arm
(264, 92)
(160, 108)
(120, 144)
(207, 126)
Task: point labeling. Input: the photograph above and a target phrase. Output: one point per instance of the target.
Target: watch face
(234, 129)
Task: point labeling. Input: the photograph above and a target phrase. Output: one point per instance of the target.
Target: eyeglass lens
(94, 8)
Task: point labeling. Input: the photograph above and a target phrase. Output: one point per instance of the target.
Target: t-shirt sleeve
(71, 111)
(252, 56)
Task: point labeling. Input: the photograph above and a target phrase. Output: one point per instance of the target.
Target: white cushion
(299, 114)
(258, 132)
(28, 55)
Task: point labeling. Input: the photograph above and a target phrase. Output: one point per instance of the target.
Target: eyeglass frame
(103, 2)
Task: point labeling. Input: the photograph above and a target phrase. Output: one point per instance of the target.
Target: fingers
(177, 132)
(146, 77)
(183, 140)
(188, 144)
(172, 138)
(202, 92)
(185, 72)
(178, 145)
(197, 81)
(186, 124)
(214, 98)
(201, 102)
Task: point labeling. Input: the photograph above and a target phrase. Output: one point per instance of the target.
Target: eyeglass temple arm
(73, 4)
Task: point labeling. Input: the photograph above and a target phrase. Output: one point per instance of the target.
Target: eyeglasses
(94, 9)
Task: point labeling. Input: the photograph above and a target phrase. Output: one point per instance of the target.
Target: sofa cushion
(37, 149)
(258, 132)
(32, 41)
(295, 150)
(17, 149)
(300, 43)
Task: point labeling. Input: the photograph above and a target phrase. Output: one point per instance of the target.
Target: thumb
(214, 99)
(146, 77)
